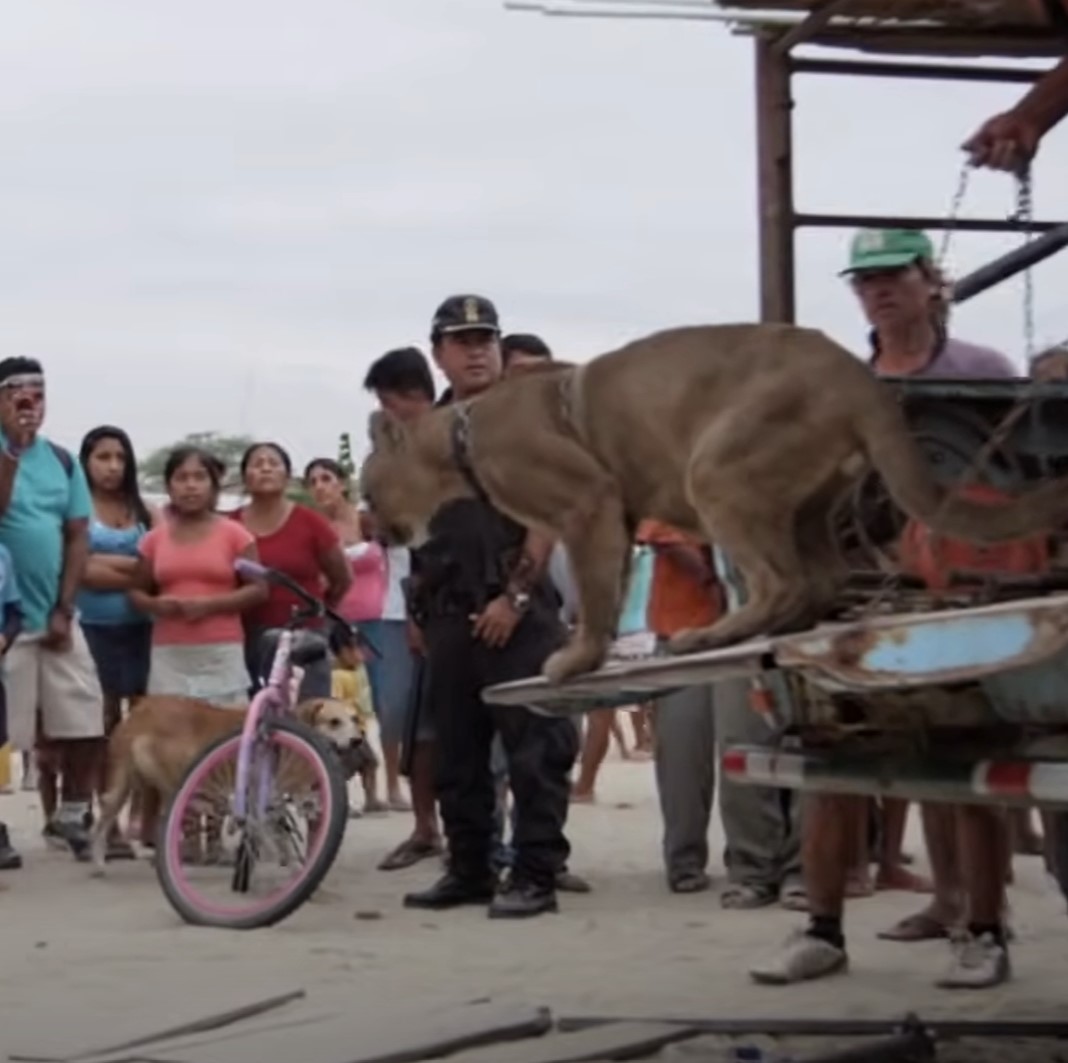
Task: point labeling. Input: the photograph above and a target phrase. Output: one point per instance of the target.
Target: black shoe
(452, 891)
(521, 900)
(9, 856)
(569, 882)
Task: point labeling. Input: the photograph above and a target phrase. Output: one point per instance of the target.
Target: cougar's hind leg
(748, 508)
(598, 548)
(821, 553)
(777, 592)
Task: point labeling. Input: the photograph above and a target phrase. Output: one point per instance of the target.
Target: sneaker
(801, 958)
(977, 963)
(10, 860)
(74, 832)
(53, 837)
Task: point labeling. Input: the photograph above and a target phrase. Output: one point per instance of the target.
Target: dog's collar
(460, 436)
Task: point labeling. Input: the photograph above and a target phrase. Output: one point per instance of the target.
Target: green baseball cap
(887, 249)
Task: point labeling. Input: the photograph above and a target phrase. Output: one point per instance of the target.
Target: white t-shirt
(563, 580)
(398, 568)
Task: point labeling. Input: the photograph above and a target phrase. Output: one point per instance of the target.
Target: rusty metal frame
(778, 218)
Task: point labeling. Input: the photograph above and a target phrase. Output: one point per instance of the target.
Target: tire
(185, 901)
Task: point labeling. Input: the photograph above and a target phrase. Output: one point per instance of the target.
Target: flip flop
(794, 898)
(918, 927)
(689, 882)
(409, 853)
(740, 897)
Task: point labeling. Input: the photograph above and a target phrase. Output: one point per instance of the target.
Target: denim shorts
(391, 677)
(121, 653)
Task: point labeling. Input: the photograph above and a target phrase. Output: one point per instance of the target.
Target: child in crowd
(10, 626)
(350, 685)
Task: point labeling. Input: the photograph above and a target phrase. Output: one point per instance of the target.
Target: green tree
(228, 449)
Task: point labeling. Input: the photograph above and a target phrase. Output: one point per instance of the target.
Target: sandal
(689, 882)
(794, 897)
(919, 927)
(409, 853)
(739, 896)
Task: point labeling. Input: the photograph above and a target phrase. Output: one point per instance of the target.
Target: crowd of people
(104, 599)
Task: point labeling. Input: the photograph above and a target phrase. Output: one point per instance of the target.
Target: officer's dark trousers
(540, 751)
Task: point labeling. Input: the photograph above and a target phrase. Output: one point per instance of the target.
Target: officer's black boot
(519, 898)
(453, 890)
(9, 856)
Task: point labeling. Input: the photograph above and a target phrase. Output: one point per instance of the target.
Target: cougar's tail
(900, 461)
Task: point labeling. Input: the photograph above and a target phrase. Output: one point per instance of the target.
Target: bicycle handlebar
(253, 570)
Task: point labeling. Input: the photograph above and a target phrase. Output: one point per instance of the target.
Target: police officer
(488, 614)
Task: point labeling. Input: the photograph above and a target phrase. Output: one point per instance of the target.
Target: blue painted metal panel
(960, 643)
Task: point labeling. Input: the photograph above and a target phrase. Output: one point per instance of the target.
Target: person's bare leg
(945, 909)
(391, 763)
(858, 878)
(424, 803)
(892, 873)
(425, 839)
(616, 727)
(828, 839)
(984, 845)
(643, 728)
(46, 759)
(1026, 841)
(594, 750)
(980, 959)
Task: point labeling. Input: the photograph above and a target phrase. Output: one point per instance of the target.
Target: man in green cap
(906, 301)
(904, 297)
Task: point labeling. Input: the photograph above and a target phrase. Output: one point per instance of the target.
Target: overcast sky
(215, 214)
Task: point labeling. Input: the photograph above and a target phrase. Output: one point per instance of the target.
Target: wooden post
(775, 182)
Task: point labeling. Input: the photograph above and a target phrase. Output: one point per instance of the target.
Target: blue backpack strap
(64, 456)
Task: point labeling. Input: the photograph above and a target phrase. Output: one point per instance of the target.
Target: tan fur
(742, 434)
(153, 747)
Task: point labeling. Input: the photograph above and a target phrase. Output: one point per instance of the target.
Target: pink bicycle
(255, 788)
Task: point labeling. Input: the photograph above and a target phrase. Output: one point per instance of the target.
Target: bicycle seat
(308, 647)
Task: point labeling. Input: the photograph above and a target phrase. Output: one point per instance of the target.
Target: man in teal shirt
(44, 513)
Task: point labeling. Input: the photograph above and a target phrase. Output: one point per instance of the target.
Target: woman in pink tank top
(326, 481)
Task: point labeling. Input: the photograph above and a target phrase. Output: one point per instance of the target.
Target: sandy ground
(83, 958)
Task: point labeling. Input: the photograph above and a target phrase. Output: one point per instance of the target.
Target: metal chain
(1025, 207)
(953, 216)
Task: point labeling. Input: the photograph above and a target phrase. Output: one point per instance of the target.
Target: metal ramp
(880, 653)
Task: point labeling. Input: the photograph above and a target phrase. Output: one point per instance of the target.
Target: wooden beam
(819, 16)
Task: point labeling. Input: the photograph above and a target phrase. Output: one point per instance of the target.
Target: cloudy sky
(215, 214)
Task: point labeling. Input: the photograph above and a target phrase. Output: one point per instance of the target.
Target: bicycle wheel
(304, 777)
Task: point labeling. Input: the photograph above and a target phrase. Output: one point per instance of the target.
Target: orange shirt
(203, 569)
(676, 600)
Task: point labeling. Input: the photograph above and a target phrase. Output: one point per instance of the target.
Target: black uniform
(463, 567)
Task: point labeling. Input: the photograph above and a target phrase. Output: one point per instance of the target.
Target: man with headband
(44, 514)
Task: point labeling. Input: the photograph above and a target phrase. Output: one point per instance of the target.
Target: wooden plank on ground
(352, 1039)
(623, 1040)
(71, 1045)
(286, 1020)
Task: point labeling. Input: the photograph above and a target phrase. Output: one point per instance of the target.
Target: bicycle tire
(336, 815)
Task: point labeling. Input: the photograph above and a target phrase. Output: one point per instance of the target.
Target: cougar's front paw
(570, 661)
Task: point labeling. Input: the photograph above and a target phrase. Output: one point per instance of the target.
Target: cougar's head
(403, 480)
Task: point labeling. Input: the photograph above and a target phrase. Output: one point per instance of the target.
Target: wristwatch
(519, 600)
(66, 610)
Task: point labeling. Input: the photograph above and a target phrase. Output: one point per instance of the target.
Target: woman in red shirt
(298, 542)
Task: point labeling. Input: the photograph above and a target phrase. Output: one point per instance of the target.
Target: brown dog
(744, 435)
(162, 736)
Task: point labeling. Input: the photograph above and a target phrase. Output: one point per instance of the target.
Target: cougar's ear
(386, 431)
